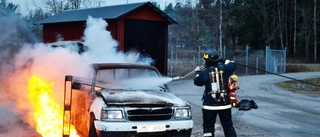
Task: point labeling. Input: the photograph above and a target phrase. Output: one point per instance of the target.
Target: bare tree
(295, 29)
(93, 3)
(220, 27)
(306, 34)
(209, 13)
(261, 9)
(280, 24)
(57, 6)
(315, 29)
(54, 6)
(75, 4)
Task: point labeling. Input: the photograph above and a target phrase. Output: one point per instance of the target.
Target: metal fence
(275, 61)
(250, 62)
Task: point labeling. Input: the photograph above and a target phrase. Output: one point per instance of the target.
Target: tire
(92, 128)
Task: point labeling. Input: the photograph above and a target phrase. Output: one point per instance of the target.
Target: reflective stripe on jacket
(216, 107)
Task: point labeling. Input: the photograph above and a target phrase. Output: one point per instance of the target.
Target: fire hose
(186, 75)
(202, 67)
(302, 81)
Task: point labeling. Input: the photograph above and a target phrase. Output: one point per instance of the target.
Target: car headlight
(183, 113)
(112, 115)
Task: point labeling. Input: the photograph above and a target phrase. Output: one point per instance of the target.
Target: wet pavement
(280, 113)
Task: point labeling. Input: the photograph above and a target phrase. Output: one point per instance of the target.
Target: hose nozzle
(176, 78)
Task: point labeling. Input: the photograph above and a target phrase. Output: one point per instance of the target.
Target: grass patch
(300, 87)
(302, 68)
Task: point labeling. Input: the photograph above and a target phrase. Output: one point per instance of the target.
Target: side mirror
(99, 94)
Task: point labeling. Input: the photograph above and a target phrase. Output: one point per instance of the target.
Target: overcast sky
(26, 5)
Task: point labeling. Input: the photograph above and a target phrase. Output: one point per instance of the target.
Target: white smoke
(21, 58)
(103, 48)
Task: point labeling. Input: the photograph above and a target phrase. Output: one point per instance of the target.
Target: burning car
(125, 100)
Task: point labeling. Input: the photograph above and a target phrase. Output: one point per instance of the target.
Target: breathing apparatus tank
(218, 90)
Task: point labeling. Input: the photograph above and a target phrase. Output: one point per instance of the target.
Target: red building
(139, 26)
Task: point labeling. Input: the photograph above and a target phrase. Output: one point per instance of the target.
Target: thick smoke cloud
(14, 34)
(13, 37)
(21, 56)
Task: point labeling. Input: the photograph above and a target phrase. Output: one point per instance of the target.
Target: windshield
(127, 78)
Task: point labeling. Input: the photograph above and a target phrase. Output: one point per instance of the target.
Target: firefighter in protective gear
(214, 77)
(232, 85)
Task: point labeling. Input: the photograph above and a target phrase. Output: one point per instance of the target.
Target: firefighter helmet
(234, 78)
(211, 56)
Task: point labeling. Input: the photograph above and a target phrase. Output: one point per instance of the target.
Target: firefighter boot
(207, 135)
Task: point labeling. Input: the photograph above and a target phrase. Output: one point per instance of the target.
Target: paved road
(281, 113)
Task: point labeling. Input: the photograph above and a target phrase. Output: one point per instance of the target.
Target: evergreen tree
(6, 9)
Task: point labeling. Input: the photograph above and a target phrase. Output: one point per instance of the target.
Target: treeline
(280, 24)
(235, 24)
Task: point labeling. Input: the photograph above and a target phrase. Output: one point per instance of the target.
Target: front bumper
(173, 128)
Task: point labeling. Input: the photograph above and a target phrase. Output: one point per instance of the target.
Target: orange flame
(48, 115)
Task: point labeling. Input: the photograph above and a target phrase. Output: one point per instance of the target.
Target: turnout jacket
(202, 78)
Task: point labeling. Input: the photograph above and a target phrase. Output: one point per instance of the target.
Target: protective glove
(222, 60)
(227, 61)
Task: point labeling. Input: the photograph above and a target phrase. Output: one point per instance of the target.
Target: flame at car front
(48, 115)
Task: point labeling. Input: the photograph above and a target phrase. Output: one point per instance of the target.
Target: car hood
(141, 98)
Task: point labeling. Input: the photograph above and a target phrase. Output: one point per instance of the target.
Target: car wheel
(92, 128)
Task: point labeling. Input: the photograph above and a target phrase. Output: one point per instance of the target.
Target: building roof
(108, 12)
